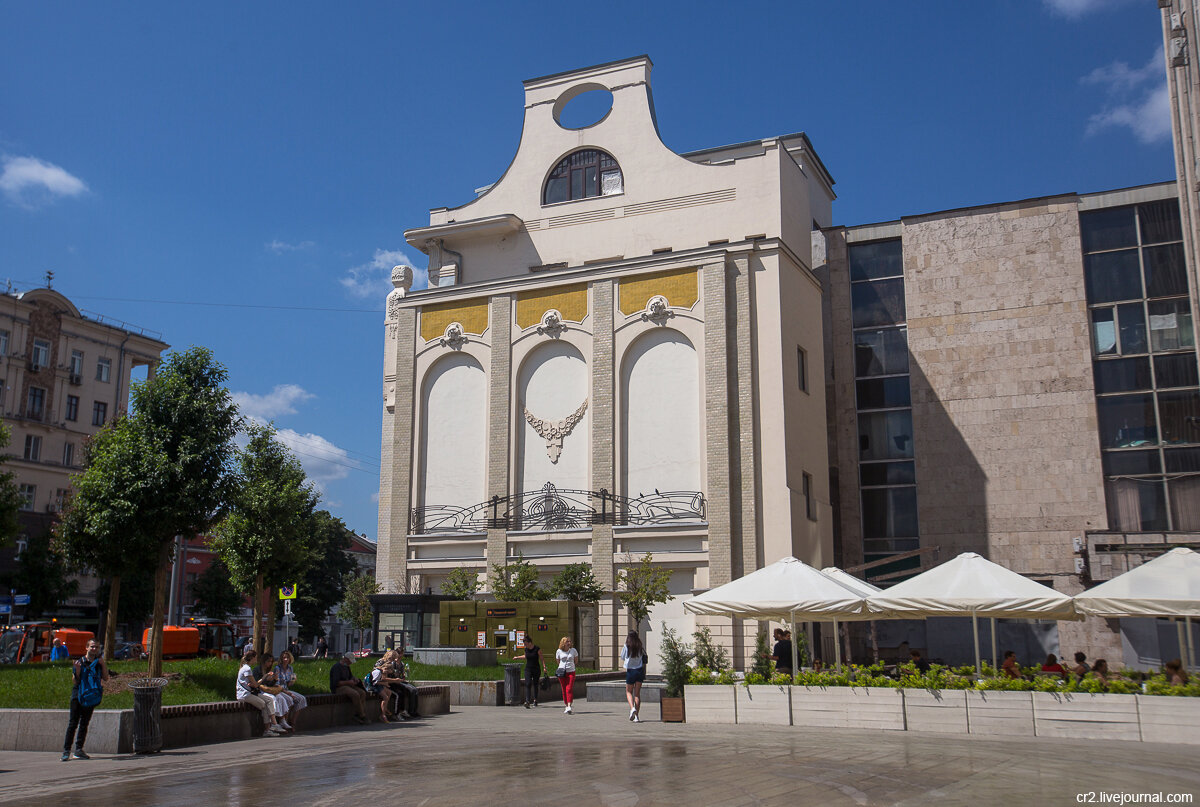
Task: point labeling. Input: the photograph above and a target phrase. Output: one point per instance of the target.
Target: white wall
(553, 382)
(661, 414)
(454, 433)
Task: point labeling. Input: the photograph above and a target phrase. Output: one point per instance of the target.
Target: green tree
(517, 582)
(214, 595)
(265, 540)
(710, 656)
(10, 497)
(642, 586)
(324, 584)
(185, 416)
(762, 664)
(576, 582)
(461, 583)
(675, 655)
(355, 609)
(44, 574)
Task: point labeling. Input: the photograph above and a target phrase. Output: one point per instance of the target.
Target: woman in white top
(565, 656)
(249, 691)
(285, 674)
(633, 657)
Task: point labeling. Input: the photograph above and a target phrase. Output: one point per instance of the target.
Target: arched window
(582, 175)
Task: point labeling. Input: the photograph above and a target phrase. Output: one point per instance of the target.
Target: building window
(41, 354)
(582, 175)
(76, 376)
(99, 413)
(103, 369)
(28, 496)
(33, 447)
(887, 477)
(1144, 364)
(3, 343)
(60, 500)
(35, 404)
(22, 545)
(72, 413)
(810, 505)
(69, 454)
(802, 369)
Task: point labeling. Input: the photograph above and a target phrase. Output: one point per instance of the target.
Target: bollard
(147, 715)
(512, 684)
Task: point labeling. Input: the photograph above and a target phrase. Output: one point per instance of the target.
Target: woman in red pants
(566, 656)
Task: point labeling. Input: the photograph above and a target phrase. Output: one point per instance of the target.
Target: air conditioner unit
(53, 507)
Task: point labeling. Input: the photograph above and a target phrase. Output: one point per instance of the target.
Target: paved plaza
(506, 756)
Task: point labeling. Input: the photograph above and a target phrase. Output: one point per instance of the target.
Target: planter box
(1086, 716)
(713, 703)
(1167, 719)
(671, 710)
(848, 708)
(943, 710)
(764, 705)
(1000, 714)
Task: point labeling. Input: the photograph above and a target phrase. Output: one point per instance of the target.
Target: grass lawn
(48, 685)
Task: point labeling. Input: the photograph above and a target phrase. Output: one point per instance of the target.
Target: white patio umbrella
(784, 590)
(1167, 586)
(971, 585)
(861, 587)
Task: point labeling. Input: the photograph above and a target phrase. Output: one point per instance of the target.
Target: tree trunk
(110, 623)
(258, 613)
(161, 577)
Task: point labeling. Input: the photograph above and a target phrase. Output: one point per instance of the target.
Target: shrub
(762, 665)
(709, 655)
(701, 676)
(675, 656)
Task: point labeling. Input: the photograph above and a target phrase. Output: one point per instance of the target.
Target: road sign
(287, 607)
(21, 599)
(5, 609)
(287, 591)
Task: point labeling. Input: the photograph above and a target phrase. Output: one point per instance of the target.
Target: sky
(240, 175)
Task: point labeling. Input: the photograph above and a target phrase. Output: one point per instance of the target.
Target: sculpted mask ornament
(455, 337)
(402, 280)
(553, 432)
(658, 309)
(552, 323)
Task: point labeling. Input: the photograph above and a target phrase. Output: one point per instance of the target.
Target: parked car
(129, 650)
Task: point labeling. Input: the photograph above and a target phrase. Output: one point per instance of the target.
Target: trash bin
(147, 715)
(512, 684)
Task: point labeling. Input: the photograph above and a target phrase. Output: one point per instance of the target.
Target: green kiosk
(503, 626)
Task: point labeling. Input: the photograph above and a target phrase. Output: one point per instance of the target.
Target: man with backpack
(90, 673)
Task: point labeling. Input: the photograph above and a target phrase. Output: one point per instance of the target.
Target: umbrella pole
(837, 646)
(795, 651)
(975, 632)
(994, 659)
(1182, 637)
(1191, 646)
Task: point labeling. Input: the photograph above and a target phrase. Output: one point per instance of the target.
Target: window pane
(871, 261)
(1160, 221)
(884, 393)
(889, 513)
(887, 473)
(880, 302)
(1166, 272)
(1180, 414)
(1126, 421)
(577, 183)
(881, 352)
(1171, 325)
(1182, 460)
(1185, 503)
(610, 183)
(1108, 229)
(1122, 375)
(1104, 331)
(1135, 504)
(1112, 276)
(1177, 370)
(590, 185)
(885, 435)
(1132, 463)
(557, 190)
(1132, 318)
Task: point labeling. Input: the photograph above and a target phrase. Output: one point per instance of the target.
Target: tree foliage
(709, 655)
(461, 583)
(517, 582)
(134, 603)
(214, 595)
(10, 497)
(761, 664)
(576, 582)
(355, 609)
(675, 655)
(324, 584)
(642, 586)
(44, 574)
(265, 539)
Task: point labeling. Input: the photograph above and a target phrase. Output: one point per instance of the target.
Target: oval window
(586, 109)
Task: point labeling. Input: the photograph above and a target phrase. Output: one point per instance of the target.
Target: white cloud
(1137, 99)
(30, 182)
(323, 461)
(1074, 9)
(280, 401)
(373, 278)
(280, 247)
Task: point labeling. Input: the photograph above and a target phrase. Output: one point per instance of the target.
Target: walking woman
(535, 668)
(565, 656)
(633, 657)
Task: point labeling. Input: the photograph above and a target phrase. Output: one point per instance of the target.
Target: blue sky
(183, 166)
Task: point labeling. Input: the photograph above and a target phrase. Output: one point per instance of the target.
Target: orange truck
(177, 642)
(34, 641)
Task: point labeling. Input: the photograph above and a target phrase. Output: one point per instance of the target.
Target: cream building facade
(619, 354)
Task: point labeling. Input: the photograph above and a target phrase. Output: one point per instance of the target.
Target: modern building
(64, 373)
(626, 351)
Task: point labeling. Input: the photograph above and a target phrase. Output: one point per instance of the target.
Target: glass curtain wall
(887, 474)
(1144, 363)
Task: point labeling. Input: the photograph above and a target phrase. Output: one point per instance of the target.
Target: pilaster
(499, 411)
(717, 422)
(395, 476)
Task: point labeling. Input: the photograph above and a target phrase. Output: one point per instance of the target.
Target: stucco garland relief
(455, 336)
(658, 310)
(552, 323)
(554, 431)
